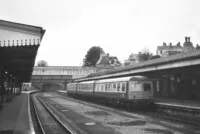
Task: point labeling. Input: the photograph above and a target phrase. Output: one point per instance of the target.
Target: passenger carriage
(71, 89)
(131, 91)
(85, 88)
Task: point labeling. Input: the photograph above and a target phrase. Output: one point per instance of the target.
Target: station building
(179, 79)
(166, 50)
(19, 44)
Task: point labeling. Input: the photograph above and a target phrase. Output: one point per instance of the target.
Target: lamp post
(1, 89)
(6, 85)
(13, 86)
(10, 88)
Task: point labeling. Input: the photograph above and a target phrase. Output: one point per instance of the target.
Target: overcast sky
(120, 27)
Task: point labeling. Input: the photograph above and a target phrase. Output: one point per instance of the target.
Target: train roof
(86, 82)
(72, 83)
(128, 78)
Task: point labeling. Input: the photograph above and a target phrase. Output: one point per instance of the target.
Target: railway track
(45, 120)
(152, 115)
(182, 115)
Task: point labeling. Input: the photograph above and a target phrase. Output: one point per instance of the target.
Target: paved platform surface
(181, 103)
(15, 116)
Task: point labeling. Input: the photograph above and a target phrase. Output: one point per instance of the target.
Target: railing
(23, 42)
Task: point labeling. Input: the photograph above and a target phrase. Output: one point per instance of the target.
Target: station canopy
(181, 60)
(19, 44)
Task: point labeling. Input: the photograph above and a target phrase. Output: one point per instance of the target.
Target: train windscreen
(147, 87)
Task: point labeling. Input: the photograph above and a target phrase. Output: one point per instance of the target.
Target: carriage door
(132, 89)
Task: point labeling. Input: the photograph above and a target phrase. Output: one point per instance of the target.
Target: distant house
(136, 58)
(166, 50)
(107, 62)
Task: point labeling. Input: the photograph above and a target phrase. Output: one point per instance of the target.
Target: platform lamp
(10, 87)
(13, 85)
(5, 81)
(6, 85)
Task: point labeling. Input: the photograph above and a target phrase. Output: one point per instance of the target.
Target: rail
(44, 114)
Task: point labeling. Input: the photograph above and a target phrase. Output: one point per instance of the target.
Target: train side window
(106, 87)
(89, 86)
(111, 87)
(118, 87)
(123, 87)
(79, 86)
(100, 88)
(103, 87)
(84, 87)
(114, 87)
(96, 87)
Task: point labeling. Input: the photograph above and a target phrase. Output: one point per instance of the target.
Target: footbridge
(53, 78)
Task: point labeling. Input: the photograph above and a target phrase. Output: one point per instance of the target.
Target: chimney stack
(186, 39)
(164, 44)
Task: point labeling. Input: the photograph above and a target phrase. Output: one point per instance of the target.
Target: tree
(92, 56)
(42, 63)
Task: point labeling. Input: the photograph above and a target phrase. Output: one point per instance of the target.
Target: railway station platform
(189, 104)
(15, 117)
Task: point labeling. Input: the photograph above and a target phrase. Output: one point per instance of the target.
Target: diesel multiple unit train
(130, 91)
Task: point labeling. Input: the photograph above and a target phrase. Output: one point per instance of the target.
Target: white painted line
(30, 117)
(64, 110)
(90, 123)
